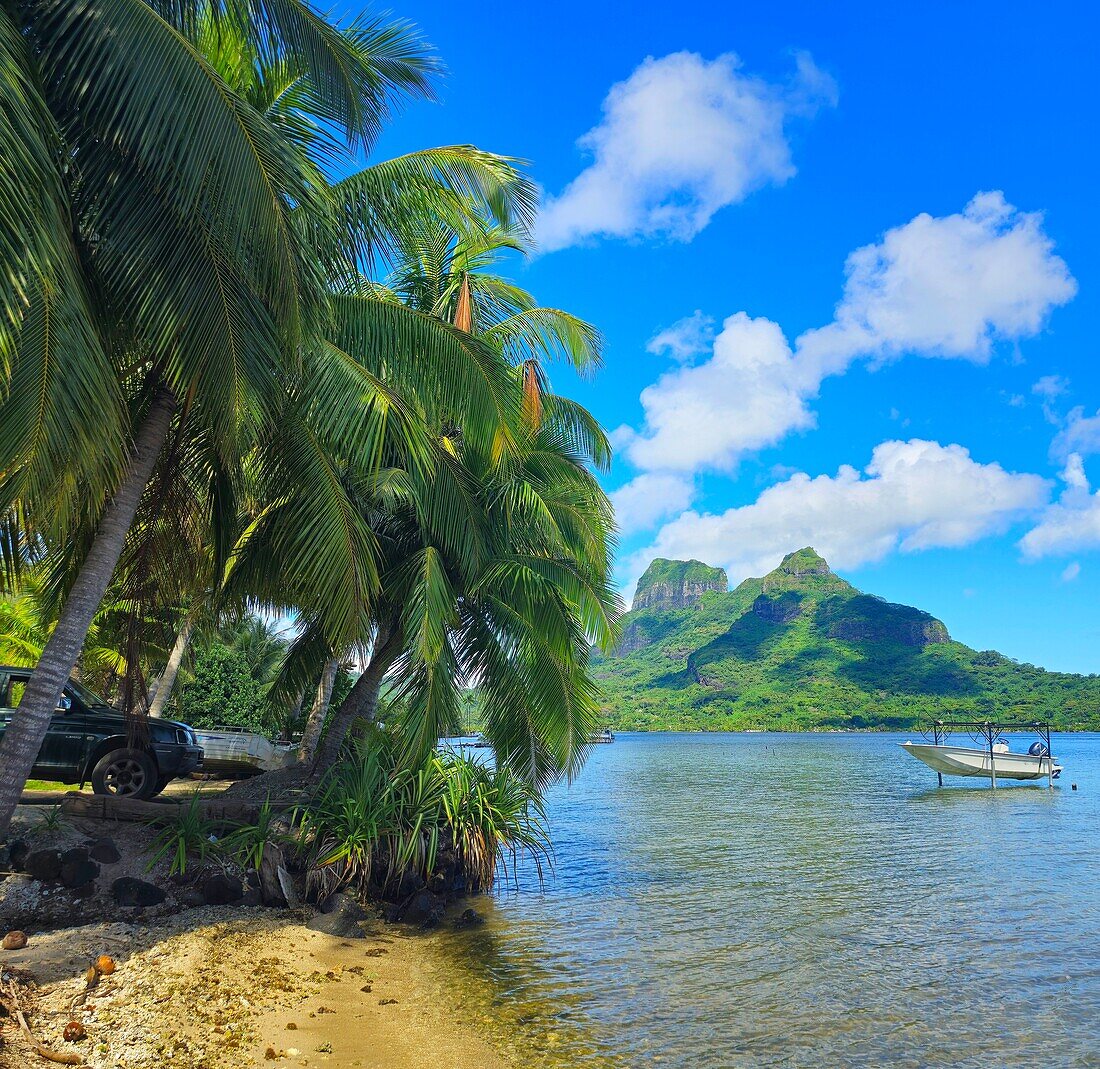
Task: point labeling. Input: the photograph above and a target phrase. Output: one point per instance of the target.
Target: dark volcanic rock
(340, 916)
(105, 852)
(79, 872)
(75, 853)
(191, 898)
(17, 853)
(43, 864)
(409, 884)
(221, 890)
(128, 891)
(470, 919)
(425, 910)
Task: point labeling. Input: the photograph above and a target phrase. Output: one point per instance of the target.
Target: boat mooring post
(992, 760)
(936, 731)
(1050, 757)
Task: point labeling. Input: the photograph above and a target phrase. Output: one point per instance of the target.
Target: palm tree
(477, 528)
(499, 574)
(448, 270)
(26, 622)
(168, 258)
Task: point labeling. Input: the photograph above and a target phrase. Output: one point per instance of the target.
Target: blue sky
(845, 259)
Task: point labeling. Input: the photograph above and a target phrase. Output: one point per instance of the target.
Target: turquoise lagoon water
(801, 900)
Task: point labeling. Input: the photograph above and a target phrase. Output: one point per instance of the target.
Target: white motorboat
(987, 762)
(237, 752)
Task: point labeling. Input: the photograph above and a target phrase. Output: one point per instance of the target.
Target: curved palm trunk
(312, 734)
(361, 702)
(23, 738)
(172, 669)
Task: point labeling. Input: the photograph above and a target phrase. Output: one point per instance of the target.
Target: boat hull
(241, 753)
(966, 761)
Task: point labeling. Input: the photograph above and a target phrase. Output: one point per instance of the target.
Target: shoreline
(225, 987)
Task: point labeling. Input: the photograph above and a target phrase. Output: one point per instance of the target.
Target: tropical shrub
(223, 691)
(372, 821)
(246, 843)
(187, 833)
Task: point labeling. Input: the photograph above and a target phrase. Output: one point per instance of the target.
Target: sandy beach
(225, 988)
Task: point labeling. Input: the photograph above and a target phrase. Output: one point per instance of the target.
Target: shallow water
(800, 900)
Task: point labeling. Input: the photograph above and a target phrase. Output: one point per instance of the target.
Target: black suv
(89, 740)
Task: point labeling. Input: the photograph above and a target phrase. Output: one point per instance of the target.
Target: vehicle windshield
(87, 697)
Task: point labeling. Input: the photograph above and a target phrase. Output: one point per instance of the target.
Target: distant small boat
(607, 735)
(970, 761)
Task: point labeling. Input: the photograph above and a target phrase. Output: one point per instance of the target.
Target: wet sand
(226, 988)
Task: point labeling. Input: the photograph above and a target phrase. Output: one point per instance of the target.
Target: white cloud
(681, 138)
(621, 436)
(946, 287)
(746, 396)
(1071, 572)
(912, 496)
(686, 339)
(1073, 474)
(1072, 523)
(649, 498)
(1050, 386)
(1081, 434)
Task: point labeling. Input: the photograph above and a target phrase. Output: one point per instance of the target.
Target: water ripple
(747, 900)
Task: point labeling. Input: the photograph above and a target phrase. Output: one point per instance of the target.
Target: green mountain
(802, 648)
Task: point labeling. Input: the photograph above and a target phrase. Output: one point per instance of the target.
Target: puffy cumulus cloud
(749, 394)
(945, 287)
(1071, 523)
(681, 138)
(686, 339)
(941, 287)
(649, 498)
(912, 496)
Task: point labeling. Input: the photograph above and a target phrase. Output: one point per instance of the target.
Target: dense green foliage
(222, 692)
(310, 395)
(801, 649)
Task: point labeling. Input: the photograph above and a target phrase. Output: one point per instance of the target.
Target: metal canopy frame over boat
(990, 731)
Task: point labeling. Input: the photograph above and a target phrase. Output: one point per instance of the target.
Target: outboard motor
(1038, 749)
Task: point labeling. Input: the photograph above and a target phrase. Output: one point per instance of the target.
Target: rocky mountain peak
(677, 584)
(805, 561)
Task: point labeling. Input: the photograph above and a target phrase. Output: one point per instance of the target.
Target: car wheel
(125, 774)
(162, 782)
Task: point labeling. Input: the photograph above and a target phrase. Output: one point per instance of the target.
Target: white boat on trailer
(993, 760)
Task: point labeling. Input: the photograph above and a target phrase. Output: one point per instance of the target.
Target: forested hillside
(802, 648)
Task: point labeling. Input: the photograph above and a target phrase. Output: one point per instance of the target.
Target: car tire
(162, 782)
(125, 773)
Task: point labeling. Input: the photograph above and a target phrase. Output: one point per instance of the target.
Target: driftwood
(276, 885)
(110, 807)
(12, 999)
